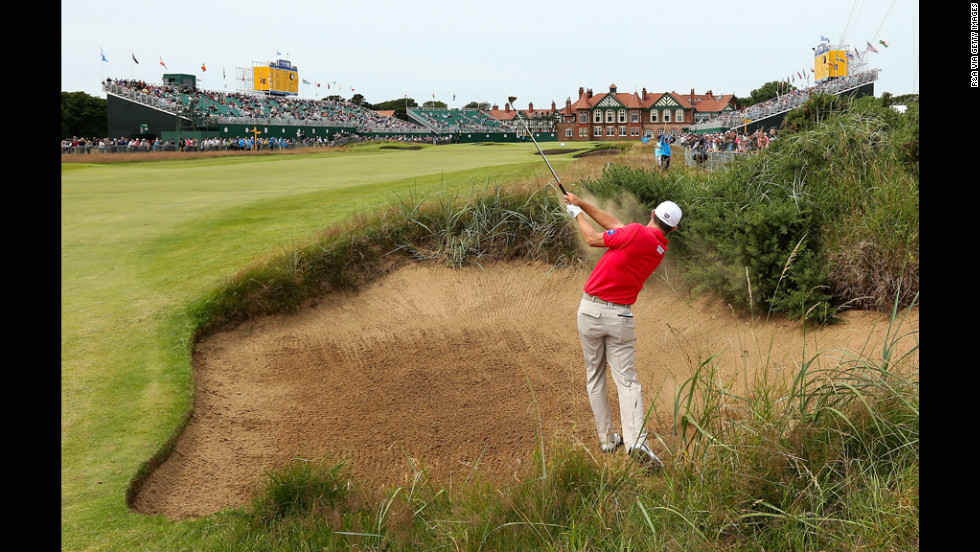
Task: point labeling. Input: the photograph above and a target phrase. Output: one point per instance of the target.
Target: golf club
(510, 100)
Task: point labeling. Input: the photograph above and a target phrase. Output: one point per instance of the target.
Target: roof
(646, 100)
(712, 102)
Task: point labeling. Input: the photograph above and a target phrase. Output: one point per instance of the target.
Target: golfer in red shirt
(605, 318)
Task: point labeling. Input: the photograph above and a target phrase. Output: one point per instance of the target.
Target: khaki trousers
(608, 335)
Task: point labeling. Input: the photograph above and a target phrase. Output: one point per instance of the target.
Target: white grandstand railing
(161, 104)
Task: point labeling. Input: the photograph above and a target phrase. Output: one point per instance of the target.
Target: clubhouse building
(620, 116)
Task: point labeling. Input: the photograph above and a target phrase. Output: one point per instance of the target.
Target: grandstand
(770, 114)
(442, 121)
(170, 111)
(173, 110)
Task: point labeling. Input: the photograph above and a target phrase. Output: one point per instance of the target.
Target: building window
(622, 131)
(666, 115)
(597, 116)
(568, 133)
(583, 132)
(597, 131)
(583, 118)
(634, 116)
(653, 115)
(634, 131)
(622, 115)
(679, 115)
(610, 131)
(610, 116)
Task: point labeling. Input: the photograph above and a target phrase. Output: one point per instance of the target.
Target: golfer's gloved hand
(573, 210)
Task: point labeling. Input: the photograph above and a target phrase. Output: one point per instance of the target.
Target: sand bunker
(436, 367)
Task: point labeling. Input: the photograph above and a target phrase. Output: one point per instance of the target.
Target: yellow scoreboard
(828, 63)
(279, 77)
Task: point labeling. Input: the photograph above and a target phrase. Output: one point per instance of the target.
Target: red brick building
(617, 115)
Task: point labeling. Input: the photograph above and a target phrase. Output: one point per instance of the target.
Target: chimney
(553, 106)
(507, 107)
(589, 92)
(568, 104)
(581, 91)
(530, 106)
(612, 88)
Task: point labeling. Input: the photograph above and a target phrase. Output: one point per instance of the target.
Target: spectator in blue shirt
(664, 151)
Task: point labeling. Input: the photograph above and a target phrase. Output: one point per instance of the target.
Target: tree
(765, 92)
(358, 99)
(399, 106)
(478, 105)
(84, 115)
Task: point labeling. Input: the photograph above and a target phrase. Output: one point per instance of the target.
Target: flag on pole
(872, 48)
(136, 61)
(306, 81)
(203, 68)
(824, 39)
(103, 56)
(162, 63)
(883, 43)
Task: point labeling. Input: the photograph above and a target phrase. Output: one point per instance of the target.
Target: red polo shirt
(635, 251)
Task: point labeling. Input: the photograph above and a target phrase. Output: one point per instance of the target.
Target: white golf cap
(668, 212)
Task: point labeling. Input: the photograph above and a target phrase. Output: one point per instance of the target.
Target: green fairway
(139, 240)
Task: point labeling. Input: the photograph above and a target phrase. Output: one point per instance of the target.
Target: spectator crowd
(221, 106)
(788, 101)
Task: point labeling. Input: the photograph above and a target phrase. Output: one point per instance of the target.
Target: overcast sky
(537, 50)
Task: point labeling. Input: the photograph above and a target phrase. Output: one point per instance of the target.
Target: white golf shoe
(646, 457)
(617, 442)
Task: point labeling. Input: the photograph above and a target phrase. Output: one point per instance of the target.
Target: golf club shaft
(531, 134)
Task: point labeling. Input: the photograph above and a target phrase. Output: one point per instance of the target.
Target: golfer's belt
(600, 300)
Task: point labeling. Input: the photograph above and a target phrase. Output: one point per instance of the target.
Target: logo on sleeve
(660, 249)
(610, 232)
